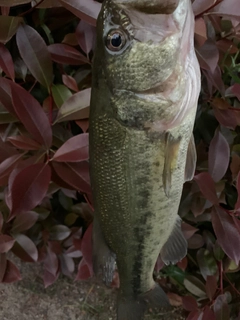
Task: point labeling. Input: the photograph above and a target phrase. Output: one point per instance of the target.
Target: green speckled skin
(127, 156)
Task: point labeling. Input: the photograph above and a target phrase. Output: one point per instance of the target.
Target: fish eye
(116, 40)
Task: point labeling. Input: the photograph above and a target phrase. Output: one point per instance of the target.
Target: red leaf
(76, 174)
(83, 124)
(25, 249)
(24, 221)
(6, 62)
(49, 278)
(24, 143)
(207, 186)
(208, 314)
(211, 286)
(64, 54)
(86, 10)
(189, 303)
(200, 32)
(83, 271)
(74, 149)
(6, 3)
(85, 36)
(200, 6)
(218, 156)
(6, 95)
(51, 263)
(226, 232)
(6, 243)
(70, 82)
(182, 264)
(237, 205)
(208, 55)
(235, 89)
(8, 26)
(188, 230)
(221, 309)
(3, 265)
(5, 11)
(194, 315)
(34, 53)
(215, 79)
(1, 221)
(7, 166)
(86, 247)
(34, 119)
(29, 187)
(195, 242)
(227, 8)
(174, 299)
(76, 107)
(49, 4)
(12, 273)
(226, 118)
(6, 150)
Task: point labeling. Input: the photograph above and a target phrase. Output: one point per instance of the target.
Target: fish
(145, 88)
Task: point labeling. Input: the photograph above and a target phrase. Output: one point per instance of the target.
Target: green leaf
(76, 107)
(60, 94)
(206, 263)
(59, 232)
(24, 248)
(8, 27)
(34, 53)
(70, 219)
(24, 221)
(195, 286)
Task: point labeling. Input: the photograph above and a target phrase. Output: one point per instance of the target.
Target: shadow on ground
(64, 300)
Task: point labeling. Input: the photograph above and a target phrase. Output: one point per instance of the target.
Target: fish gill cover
(46, 50)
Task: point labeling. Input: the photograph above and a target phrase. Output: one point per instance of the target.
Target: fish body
(146, 83)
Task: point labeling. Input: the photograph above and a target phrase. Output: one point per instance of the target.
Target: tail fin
(134, 309)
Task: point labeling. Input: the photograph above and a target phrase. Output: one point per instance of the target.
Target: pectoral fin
(191, 160)
(103, 257)
(171, 156)
(175, 248)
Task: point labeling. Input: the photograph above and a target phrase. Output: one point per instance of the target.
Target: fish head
(146, 63)
(138, 49)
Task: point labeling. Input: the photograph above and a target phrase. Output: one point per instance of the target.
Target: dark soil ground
(64, 300)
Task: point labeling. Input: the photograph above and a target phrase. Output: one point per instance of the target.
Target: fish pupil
(116, 40)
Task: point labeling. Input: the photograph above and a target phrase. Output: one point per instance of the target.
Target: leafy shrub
(45, 198)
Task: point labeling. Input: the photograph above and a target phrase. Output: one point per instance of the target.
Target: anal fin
(191, 160)
(175, 248)
(171, 157)
(103, 257)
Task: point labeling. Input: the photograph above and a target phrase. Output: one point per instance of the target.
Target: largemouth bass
(146, 83)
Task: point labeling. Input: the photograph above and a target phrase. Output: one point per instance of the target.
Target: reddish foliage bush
(45, 203)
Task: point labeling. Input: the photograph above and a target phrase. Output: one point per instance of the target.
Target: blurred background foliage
(46, 50)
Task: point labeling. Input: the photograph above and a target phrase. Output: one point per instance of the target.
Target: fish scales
(143, 105)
